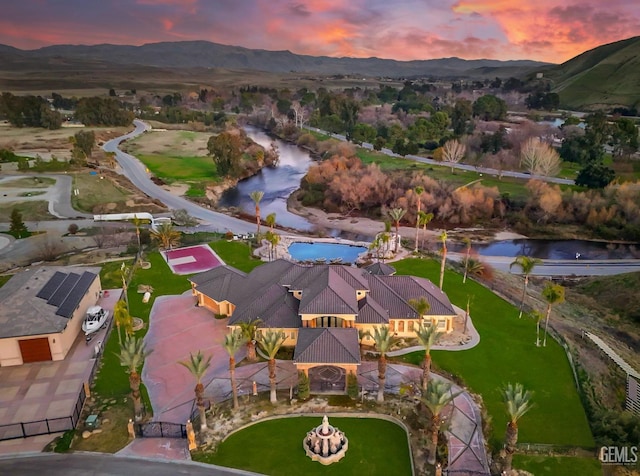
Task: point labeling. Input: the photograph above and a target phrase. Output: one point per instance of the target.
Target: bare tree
(452, 152)
(539, 158)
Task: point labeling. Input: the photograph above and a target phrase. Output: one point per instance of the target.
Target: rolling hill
(606, 76)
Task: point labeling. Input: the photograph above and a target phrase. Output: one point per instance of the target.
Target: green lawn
(112, 379)
(506, 353)
(558, 465)
(376, 447)
(4, 279)
(173, 168)
(236, 254)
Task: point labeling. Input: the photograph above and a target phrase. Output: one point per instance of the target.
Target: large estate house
(321, 308)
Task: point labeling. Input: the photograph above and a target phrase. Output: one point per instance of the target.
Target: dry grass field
(29, 140)
(171, 142)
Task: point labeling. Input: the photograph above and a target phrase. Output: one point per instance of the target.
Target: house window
(410, 326)
(293, 334)
(442, 324)
(400, 326)
(329, 321)
(392, 326)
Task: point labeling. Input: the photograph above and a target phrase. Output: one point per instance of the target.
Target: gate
(160, 429)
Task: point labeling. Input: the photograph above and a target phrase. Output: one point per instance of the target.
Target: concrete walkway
(178, 328)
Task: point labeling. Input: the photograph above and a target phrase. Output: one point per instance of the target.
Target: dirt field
(31, 141)
(171, 142)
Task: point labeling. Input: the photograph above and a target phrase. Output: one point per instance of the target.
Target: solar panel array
(65, 291)
(72, 300)
(50, 287)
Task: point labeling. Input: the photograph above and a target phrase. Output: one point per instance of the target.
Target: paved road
(471, 168)
(552, 267)
(135, 171)
(94, 464)
(58, 195)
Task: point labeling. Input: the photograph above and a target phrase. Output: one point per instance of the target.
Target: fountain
(325, 443)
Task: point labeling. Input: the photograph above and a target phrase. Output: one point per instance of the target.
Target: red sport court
(192, 259)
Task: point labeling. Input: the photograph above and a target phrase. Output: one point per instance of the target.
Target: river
(278, 183)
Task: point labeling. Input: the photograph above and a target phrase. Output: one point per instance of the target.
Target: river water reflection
(277, 183)
(555, 249)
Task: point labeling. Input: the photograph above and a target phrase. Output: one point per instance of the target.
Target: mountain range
(606, 76)
(204, 54)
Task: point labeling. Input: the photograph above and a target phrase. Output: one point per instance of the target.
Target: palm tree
(166, 236)
(538, 316)
(385, 238)
(198, 365)
(475, 267)
(553, 294)
(396, 215)
(418, 191)
(256, 196)
(425, 219)
(384, 340)
(436, 398)
(273, 239)
(248, 330)
(137, 222)
(526, 264)
(443, 239)
(427, 335)
(518, 402)
(271, 341)
(232, 343)
(132, 354)
(362, 335)
(271, 220)
(467, 243)
(375, 246)
(124, 271)
(122, 319)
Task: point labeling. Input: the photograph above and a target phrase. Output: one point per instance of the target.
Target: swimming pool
(327, 251)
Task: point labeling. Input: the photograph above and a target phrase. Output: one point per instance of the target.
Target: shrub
(73, 229)
(303, 386)
(352, 386)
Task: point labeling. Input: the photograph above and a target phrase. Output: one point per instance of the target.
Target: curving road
(135, 171)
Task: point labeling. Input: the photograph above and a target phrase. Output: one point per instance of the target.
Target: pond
(554, 249)
(327, 251)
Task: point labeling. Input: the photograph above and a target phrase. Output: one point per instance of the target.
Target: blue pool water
(328, 251)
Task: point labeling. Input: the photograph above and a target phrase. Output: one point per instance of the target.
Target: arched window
(392, 326)
(410, 326)
(400, 326)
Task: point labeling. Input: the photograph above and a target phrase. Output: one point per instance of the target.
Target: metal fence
(160, 429)
(46, 426)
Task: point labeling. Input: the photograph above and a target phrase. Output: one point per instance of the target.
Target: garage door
(35, 350)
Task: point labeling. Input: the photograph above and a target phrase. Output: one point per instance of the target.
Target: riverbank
(370, 227)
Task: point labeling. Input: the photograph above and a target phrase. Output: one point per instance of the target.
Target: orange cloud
(167, 24)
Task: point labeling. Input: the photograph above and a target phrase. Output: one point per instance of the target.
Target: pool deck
(282, 249)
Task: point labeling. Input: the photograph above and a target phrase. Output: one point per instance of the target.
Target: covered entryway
(327, 379)
(35, 350)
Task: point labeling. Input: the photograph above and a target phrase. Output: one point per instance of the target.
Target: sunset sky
(545, 30)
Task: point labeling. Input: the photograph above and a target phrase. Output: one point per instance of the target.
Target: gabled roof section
(271, 272)
(324, 291)
(332, 345)
(388, 299)
(223, 283)
(273, 305)
(412, 287)
(380, 269)
(371, 312)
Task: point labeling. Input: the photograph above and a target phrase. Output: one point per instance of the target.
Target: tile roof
(380, 268)
(223, 283)
(331, 345)
(412, 287)
(266, 292)
(273, 305)
(38, 301)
